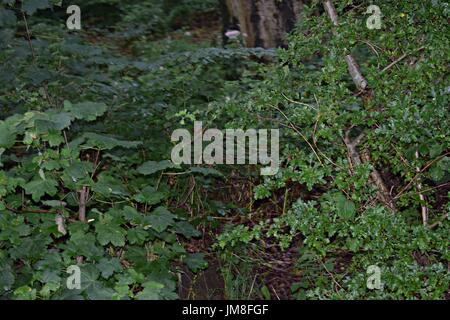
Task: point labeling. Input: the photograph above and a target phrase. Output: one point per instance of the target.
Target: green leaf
(152, 291)
(137, 235)
(88, 111)
(109, 233)
(104, 142)
(186, 229)
(150, 196)
(81, 243)
(151, 167)
(196, 262)
(92, 286)
(54, 138)
(436, 150)
(107, 267)
(346, 209)
(7, 135)
(108, 186)
(160, 219)
(38, 188)
(131, 215)
(6, 279)
(79, 170)
(51, 120)
(265, 293)
(25, 293)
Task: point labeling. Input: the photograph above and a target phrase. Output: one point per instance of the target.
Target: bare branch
(331, 11)
(422, 197)
(355, 73)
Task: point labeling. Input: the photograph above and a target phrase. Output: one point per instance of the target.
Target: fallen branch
(353, 68)
(352, 146)
(422, 197)
(384, 195)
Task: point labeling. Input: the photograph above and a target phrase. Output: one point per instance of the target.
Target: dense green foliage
(313, 96)
(94, 110)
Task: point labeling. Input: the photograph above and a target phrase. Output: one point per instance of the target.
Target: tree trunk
(263, 23)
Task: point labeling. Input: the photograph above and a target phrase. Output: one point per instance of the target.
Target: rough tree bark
(263, 23)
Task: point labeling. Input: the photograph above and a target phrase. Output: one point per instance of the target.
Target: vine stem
(28, 34)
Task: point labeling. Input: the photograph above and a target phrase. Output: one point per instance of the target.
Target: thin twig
(293, 127)
(429, 164)
(399, 59)
(422, 197)
(437, 223)
(297, 102)
(28, 35)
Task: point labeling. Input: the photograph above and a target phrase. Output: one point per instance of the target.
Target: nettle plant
(67, 202)
(397, 127)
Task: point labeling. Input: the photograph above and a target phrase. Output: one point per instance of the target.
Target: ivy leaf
(50, 276)
(108, 186)
(109, 233)
(79, 170)
(107, 267)
(131, 215)
(160, 219)
(196, 262)
(88, 111)
(54, 138)
(52, 121)
(186, 229)
(6, 279)
(92, 286)
(436, 150)
(38, 188)
(31, 6)
(346, 208)
(150, 196)
(25, 293)
(7, 135)
(151, 167)
(82, 244)
(137, 235)
(104, 142)
(152, 291)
